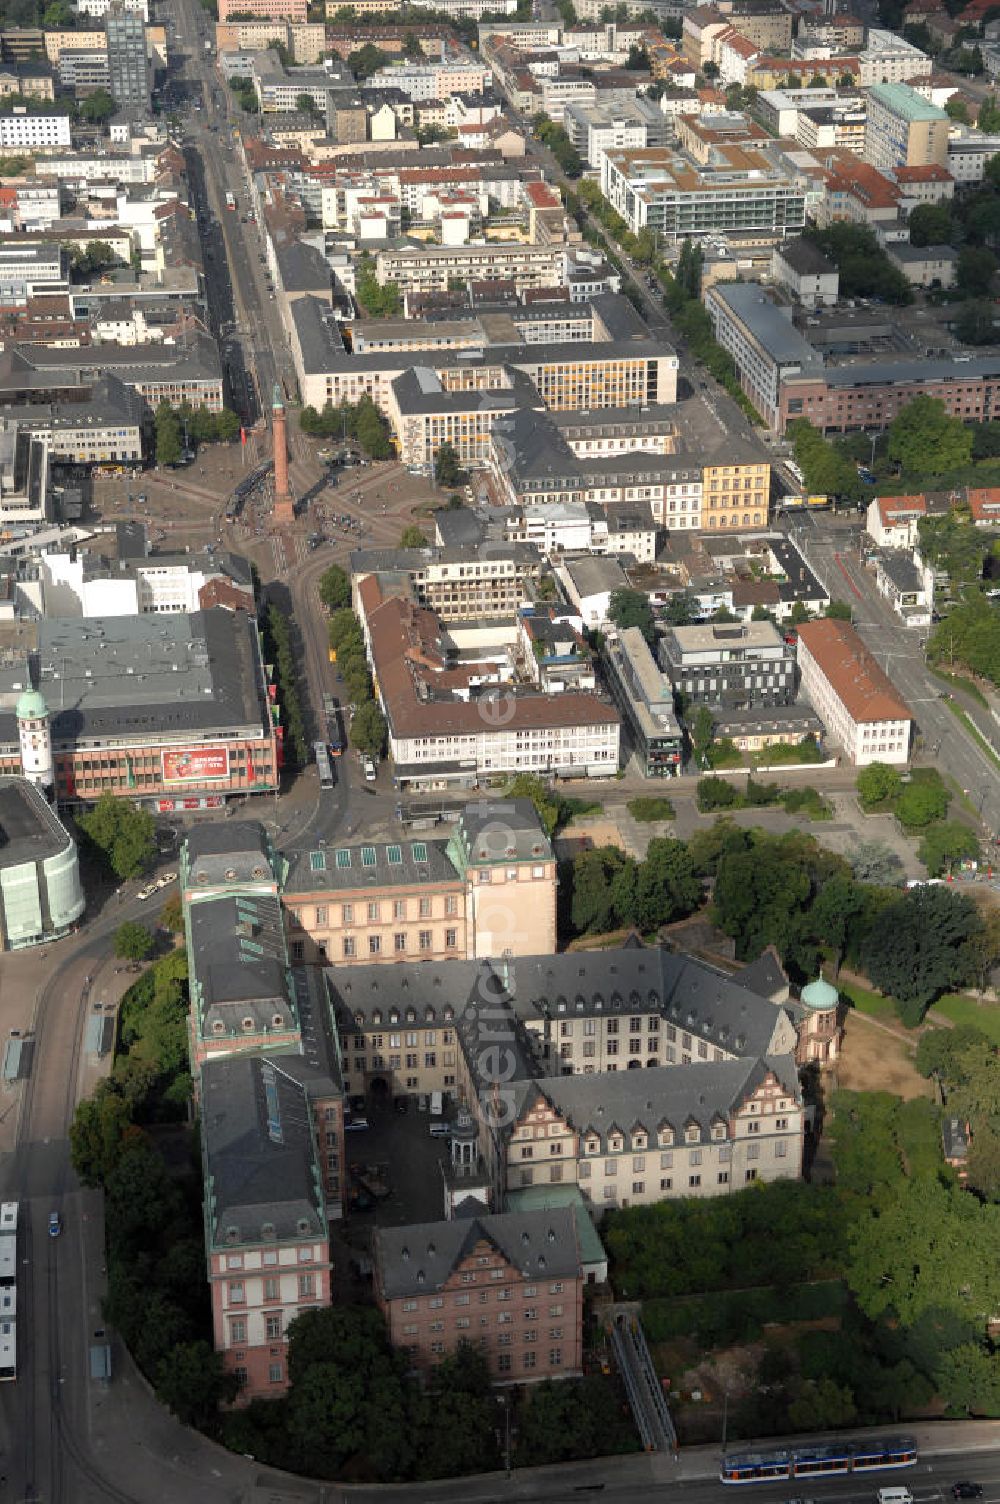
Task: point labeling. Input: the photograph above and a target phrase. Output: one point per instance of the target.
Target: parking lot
(408, 1161)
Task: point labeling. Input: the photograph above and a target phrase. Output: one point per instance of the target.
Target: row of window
(272, 1288)
(373, 911)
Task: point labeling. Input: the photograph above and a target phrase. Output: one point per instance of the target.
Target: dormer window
(248, 1026)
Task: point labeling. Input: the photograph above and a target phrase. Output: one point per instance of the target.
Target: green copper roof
(30, 706)
(820, 995)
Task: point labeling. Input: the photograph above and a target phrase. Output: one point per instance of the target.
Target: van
(894, 1496)
(436, 1104)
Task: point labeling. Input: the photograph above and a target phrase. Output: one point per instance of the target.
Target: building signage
(194, 764)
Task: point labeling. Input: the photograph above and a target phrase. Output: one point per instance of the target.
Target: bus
(8, 1291)
(231, 201)
(323, 764)
(819, 1459)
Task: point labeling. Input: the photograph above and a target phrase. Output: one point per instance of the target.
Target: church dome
(820, 995)
(31, 706)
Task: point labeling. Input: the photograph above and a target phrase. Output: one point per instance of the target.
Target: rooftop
(424, 1257)
(29, 829)
(864, 688)
(261, 1177)
(904, 101)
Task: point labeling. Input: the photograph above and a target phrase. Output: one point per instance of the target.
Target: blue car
(55, 1224)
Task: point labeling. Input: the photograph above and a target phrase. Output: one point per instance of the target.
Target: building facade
(855, 699)
(512, 1284)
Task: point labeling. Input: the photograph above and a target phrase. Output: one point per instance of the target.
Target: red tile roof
(861, 685)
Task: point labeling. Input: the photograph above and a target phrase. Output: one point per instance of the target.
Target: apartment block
(855, 699)
(489, 889)
(465, 582)
(730, 665)
(280, 10)
(735, 487)
(904, 129)
(19, 130)
(890, 59)
(760, 336)
(511, 1283)
(453, 728)
(645, 697)
(662, 190)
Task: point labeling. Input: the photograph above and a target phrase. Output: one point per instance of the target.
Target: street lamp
(508, 1432)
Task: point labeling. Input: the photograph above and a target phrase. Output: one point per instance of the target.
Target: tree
(836, 908)
(878, 784)
(412, 537)
(667, 887)
(678, 610)
(366, 60)
(167, 428)
(822, 1405)
(191, 1381)
(334, 588)
(368, 730)
(631, 608)
(172, 914)
(926, 441)
(568, 1419)
(98, 107)
(930, 224)
(306, 104)
(969, 1379)
(988, 119)
(121, 833)
(974, 325)
(974, 271)
(603, 889)
(96, 1133)
(923, 1251)
(133, 942)
(920, 804)
(957, 109)
(702, 733)
(447, 470)
(839, 611)
(874, 862)
(920, 946)
(946, 844)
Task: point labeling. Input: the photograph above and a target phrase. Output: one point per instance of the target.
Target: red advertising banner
(193, 764)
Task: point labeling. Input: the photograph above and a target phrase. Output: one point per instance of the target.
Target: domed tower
(821, 1025)
(35, 736)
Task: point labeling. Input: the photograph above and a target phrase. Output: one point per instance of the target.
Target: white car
(166, 879)
(146, 892)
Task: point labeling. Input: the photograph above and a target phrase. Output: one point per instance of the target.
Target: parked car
(146, 892)
(356, 1125)
(166, 879)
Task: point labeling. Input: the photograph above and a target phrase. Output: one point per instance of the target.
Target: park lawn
(962, 1009)
(865, 1001)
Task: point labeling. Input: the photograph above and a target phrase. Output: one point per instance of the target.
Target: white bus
(322, 757)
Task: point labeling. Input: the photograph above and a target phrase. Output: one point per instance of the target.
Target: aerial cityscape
(499, 750)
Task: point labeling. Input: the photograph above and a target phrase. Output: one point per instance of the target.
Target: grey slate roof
(694, 1095)
(434, 991)
(261, 1177)
(420, 1259)
(490, 830)
(230, 851)
(638, 979)
(382, 864)
(148, 675)
(239, 964)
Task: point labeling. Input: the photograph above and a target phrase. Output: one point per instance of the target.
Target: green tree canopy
(133, 942)
(921, 945)
(412, 537)
(878, 784)
(925, 440)
(631, 608)
(368, 730)
(334, 589)
(121, 833)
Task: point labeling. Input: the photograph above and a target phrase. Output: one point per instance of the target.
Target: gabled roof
(422, 1258)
